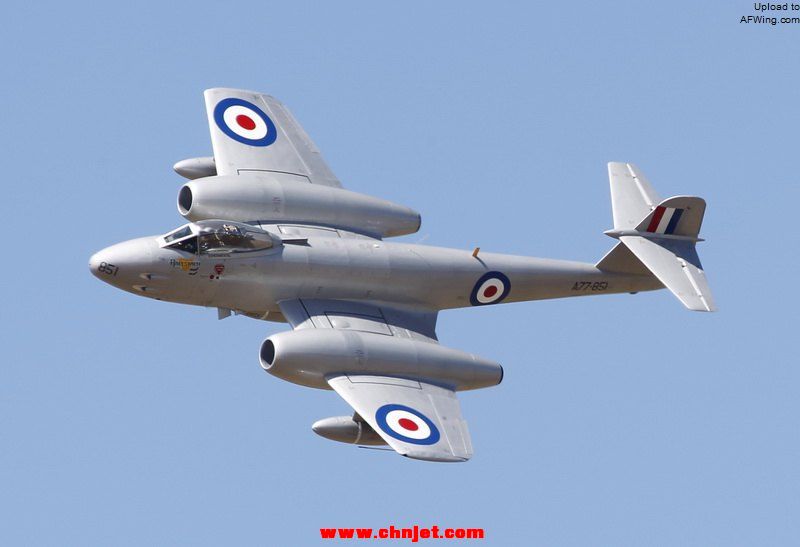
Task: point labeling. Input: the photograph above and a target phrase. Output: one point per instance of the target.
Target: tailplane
(657, 237)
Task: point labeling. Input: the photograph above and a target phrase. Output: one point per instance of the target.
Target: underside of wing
(254, 132)
(311, 313)
(387, 364)
(418, 420)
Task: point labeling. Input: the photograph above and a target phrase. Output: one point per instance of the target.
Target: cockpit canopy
(218, 237)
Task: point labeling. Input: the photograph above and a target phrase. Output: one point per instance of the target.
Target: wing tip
(435, 458)
(705, 307)
(212, 91)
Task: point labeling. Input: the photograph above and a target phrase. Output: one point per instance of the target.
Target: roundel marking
(491, 288)
(407, 424)
(244, 122)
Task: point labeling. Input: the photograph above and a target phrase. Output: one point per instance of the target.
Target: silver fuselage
(355, 269)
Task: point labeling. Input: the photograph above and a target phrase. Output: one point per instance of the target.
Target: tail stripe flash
(665, 220)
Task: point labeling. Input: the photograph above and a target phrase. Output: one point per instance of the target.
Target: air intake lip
(185, 200)
(267, 354)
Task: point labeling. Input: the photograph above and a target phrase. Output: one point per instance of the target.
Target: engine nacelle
(281, 197)
(346, 430)
(308, 356)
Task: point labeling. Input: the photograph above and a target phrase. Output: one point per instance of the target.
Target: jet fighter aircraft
(272, 235)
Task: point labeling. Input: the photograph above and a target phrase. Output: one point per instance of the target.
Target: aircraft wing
(255, 132)
(417, 419)
(310, 313)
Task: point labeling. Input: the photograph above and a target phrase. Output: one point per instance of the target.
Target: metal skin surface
(294, 357)
(275, 236)
(195, 168)
(280, 197)
(431, 278)
(347, 430)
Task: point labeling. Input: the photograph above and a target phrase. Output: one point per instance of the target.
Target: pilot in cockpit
(218, 237)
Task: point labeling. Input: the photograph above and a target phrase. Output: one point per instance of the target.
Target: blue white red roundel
(491, 288)
(244, 122)
(406, 424)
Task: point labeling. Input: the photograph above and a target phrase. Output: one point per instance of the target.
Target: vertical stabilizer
(680, 216)
(632, 195)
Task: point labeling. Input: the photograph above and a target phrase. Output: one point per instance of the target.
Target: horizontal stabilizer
(620, 259)
(675, 263)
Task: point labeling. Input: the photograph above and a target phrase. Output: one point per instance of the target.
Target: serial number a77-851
(590, 286)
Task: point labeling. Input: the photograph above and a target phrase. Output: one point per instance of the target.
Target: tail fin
(680, 216)
(632, 196)
(657, 236)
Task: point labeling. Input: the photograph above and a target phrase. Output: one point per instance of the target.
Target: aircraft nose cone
(94, 264)
(122, 264)
(102, 265)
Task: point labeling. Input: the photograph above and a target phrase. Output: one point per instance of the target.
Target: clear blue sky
(622, 420)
